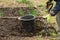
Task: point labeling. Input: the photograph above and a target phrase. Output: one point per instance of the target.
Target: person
(55, 11)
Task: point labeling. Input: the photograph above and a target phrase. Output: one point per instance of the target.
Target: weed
(21, 12)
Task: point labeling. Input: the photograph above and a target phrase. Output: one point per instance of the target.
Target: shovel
(48, 16)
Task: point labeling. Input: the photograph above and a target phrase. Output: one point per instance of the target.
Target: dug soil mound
(10, 26)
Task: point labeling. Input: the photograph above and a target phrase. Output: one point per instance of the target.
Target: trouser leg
(58, 21)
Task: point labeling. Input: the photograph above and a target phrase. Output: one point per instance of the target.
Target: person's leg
(58, 20)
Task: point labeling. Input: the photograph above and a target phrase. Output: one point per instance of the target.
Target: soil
(10, 29)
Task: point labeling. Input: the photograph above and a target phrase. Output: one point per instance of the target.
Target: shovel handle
(50, 7)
